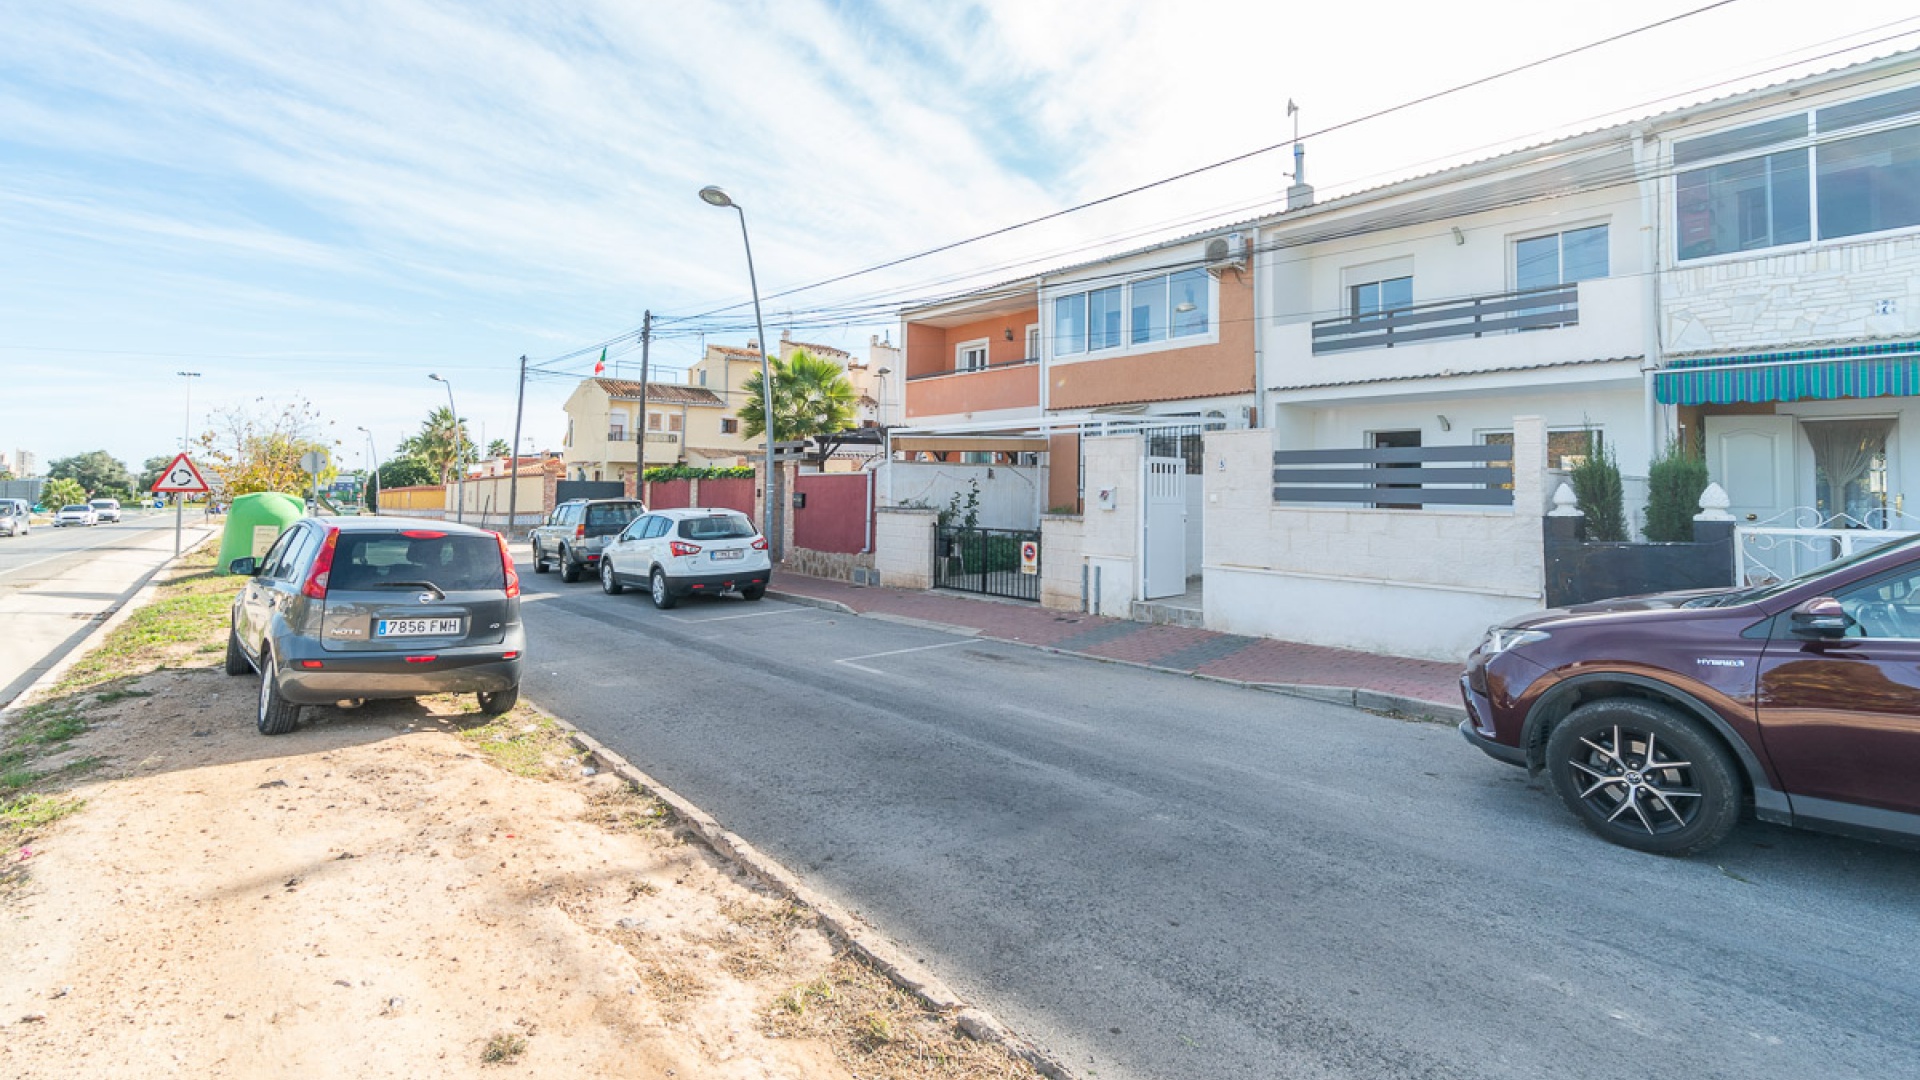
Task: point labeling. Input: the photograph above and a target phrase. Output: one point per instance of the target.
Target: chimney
(1299, 193)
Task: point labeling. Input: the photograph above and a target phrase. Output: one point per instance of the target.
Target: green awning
(1861, 371)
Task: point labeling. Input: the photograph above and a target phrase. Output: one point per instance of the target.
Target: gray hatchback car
(373, 607)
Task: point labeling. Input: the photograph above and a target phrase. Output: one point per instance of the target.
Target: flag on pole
(601, 365)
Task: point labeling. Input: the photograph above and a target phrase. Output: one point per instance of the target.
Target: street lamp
(460, 467)
(373, 478)
(186, 433)
(714, 196)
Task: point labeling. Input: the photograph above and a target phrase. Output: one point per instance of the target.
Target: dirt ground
(398, 890)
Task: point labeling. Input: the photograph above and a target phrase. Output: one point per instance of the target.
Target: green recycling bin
(254, 522)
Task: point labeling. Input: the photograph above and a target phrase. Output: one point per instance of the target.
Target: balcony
(1527, 309)
(947, 393)
(616, 435)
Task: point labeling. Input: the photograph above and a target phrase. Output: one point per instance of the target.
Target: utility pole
(640, 423)
(513, 452)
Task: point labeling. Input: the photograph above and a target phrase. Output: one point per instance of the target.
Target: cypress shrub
(1596, 485)
(1674, 483)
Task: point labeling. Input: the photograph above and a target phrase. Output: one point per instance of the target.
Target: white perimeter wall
(1423, 583)
(1011, 498)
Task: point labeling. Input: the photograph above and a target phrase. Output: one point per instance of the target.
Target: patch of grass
(112, 696)
(27, 814)
(881, 1032)
(524, 743)
(503, 1049)
(761, 942)
(627, 809)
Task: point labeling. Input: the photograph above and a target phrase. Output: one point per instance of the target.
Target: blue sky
(331, 200)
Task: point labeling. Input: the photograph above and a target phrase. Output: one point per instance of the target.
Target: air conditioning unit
(1227, 251)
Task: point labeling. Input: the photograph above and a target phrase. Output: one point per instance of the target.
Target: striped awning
(1861, 371)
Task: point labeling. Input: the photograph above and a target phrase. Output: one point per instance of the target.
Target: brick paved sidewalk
(1365, 679)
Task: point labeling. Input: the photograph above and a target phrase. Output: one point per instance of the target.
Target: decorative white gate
(1163, 547)
(1804, 539)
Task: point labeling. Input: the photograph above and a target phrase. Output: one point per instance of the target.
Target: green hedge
(687, 472)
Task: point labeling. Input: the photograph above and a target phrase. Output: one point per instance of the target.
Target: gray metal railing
(1526, 309)
(1399, 477)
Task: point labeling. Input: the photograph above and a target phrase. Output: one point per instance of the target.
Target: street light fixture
(715, 196)
(373, 478)
(459, 464)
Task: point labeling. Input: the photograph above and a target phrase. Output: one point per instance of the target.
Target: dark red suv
(1659, 718)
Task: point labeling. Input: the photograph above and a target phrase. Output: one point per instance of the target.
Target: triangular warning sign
(182, 476)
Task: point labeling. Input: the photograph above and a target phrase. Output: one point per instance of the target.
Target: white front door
(1752, 458)
(1163, 548)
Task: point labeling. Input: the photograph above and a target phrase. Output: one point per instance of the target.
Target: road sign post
(182, 478)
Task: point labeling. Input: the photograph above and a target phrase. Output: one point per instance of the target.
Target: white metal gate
(1163, 545)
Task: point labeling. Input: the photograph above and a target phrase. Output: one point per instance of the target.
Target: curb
(905, 972)
(1400, 705)
(141, 596)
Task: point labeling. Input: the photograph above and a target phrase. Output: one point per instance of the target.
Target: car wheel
(237, 662)
(663, 597)
(1643, 776)
(753, 592)
(277, 715)
(569, 570)
(608, 583)
(499, 701)
(539, 560)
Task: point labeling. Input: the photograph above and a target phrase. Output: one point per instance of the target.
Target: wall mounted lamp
(1009, 333)
(1458, 236)
(1445, 424)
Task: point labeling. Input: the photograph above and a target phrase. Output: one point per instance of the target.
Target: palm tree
(442, 443)
(811, 397)
(497, 448)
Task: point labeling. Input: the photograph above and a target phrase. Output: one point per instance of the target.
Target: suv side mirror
(1821, 618)
(241, 567)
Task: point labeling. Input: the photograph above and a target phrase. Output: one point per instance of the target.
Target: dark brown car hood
(1656, 607)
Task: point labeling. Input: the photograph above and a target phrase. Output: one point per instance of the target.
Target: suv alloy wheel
(1643, 776)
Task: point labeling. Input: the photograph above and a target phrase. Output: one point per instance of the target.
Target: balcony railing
(1526, 309)
(973, 370)
(616, 435)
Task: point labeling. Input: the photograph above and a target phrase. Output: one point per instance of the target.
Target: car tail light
(759, 543)
(419, 659)
(680, 548)
(310, 664)
(506, 561)
(422, 534)
(316, 586)
(580, 532)
(509, 656)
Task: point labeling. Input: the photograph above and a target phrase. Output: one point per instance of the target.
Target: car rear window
(76, 509)
(717, 527)
(452, 562)
(616, 514)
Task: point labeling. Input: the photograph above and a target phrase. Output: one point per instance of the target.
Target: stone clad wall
(1798, 298)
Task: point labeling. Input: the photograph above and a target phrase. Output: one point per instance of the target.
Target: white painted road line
(851, 660)
(724, 618)
(68, 553)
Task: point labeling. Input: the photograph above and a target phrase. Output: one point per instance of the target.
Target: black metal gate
(997, 562)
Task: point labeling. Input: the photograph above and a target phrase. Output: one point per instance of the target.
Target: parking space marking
(724, 618)
(850, 661)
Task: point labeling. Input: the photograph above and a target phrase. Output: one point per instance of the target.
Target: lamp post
(186, 433)
(373, 478)
(714, 196)
(459, 464)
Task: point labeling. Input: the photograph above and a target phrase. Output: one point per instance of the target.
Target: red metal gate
(836, 512)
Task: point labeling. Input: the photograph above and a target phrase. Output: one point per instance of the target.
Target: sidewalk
(1387, 683)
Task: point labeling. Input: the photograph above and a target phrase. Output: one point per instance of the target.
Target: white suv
(689, 552)
(13, 517)
(106, 509)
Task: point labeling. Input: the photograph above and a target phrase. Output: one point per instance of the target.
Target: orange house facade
(1164, 335)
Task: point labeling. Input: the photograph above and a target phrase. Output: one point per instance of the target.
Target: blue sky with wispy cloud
(334, 199)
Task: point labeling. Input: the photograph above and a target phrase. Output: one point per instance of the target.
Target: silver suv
(13, 517)
(577, 531)
(372, 607)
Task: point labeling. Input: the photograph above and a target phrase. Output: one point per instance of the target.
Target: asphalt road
(1158, 877)
(55, 584)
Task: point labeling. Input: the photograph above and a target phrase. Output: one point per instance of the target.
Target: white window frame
(960, 351)
(1514, 241)
(1810, 144)
(1127, 347)
(1033, 341)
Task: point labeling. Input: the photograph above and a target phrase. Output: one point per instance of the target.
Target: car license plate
(728, 553)
(415, 627)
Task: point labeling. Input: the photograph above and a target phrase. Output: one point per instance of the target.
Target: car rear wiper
(437, 590)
